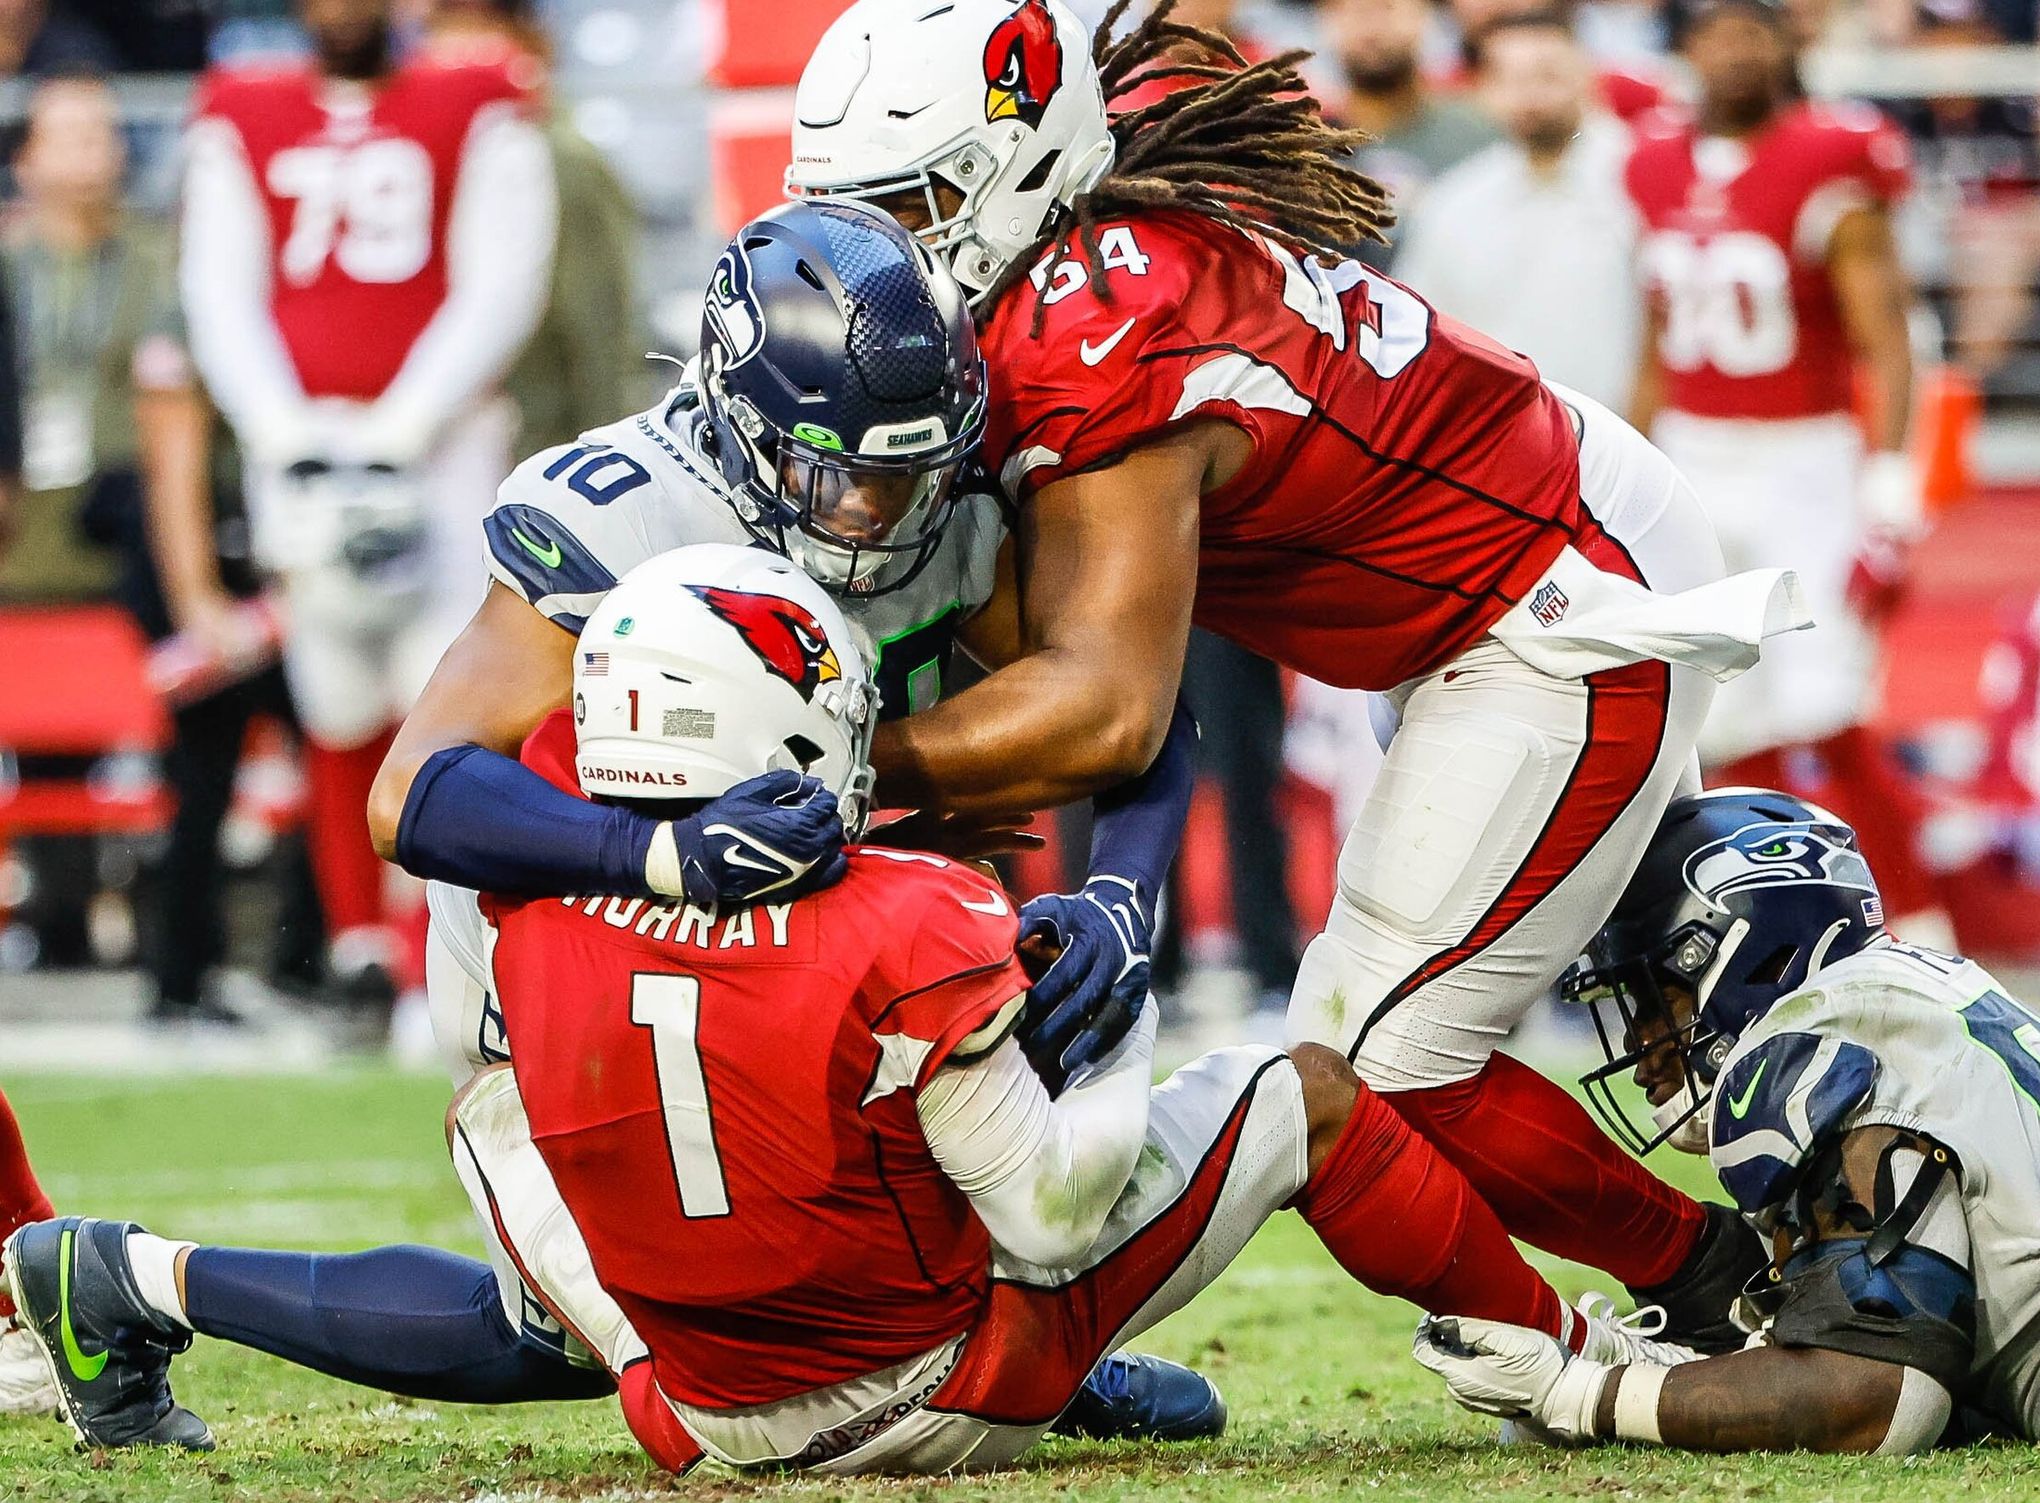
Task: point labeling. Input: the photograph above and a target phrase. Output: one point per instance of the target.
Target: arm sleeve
(224, 279)
(499, 261)
(477, 819)
(1137, 827)
(1042, 1175)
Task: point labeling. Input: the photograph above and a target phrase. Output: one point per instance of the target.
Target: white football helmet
(997, 101)
(711, 664)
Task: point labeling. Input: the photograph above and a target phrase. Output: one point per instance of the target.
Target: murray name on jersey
(570, 521)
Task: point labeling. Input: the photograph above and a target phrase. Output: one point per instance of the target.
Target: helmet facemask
(857, 524)
(1651, 1019)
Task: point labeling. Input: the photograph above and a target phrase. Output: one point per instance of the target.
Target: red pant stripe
(1032, 1348)
(1626, 713)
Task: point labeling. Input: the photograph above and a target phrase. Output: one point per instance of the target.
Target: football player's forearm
(504, 673)
(1045, 731)
(1773, 1399)
(1876, 301)
(1137, 826)
(171, 432)
(1043, 1175)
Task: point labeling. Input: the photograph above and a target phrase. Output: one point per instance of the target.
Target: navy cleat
(1130, 1397)
(107, 1350)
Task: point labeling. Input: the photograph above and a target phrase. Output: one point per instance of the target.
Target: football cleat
(1130, 1397)
(1698, 1299)
(26, 1387)
(1617, 1340)
(108, 1351)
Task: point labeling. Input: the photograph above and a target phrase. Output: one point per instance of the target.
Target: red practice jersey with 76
(726, 1103)
(1409, 478)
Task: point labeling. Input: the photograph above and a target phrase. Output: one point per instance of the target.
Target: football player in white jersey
(825, 322)
(1874, 1109)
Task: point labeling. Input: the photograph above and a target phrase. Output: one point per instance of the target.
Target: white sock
(154, 1261)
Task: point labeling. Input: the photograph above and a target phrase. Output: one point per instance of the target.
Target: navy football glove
(777, 836)
(1090, 998)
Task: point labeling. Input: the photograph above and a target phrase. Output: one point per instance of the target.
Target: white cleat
(1616, 1340)
(25, 1384)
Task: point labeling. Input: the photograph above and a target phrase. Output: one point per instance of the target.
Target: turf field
(1326, 1403)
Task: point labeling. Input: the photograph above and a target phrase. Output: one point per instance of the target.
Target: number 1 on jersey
(670, 1006)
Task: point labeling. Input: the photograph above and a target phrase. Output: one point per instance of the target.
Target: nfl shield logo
(1548, 605)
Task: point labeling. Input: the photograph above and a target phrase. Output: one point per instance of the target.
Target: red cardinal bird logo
(786, 637)
(1023, 65)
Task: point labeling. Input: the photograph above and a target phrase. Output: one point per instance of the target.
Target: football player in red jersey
(792, 1170)
(811, 1162)
(1191, 382)
(366, 246)
(1768, 258)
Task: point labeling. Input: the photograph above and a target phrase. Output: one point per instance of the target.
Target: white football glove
(1515, 1373)
(1888, 495)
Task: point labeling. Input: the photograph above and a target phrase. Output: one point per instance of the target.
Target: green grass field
(1326, 1403)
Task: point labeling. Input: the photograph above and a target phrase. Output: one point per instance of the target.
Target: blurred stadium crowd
(173, 804)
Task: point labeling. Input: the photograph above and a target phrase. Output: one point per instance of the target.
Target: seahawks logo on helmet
(734, 316)
(1774, 855)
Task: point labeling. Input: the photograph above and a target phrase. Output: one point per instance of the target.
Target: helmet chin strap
(1683, 1120)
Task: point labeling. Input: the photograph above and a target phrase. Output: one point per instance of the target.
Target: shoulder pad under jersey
(1777, 1104)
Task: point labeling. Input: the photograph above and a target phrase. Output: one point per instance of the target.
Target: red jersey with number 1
(726, 1103)
(1409, 479)
(357, 182)
(1735, 251)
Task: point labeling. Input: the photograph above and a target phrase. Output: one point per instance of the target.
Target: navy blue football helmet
(1741, 897)
(841, 379)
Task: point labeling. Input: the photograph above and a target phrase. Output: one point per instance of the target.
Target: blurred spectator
(103, 366)
(1627, 72)
(366, 250)
(1532, 240)
(1417, 132)
(44, 37)
(86, 297)
(586, 363)
(1775, 288)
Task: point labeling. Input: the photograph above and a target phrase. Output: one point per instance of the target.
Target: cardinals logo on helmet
(1023, 65)
(785, 636)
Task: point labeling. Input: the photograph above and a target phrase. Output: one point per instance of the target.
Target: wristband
(663, 874)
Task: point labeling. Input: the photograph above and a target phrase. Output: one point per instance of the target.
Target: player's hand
(961, 837)
(777, 836)
(1881, 573)
(1513, 1372)
(1091, 993)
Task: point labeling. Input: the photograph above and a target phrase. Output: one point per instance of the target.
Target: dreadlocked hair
(1243, 144)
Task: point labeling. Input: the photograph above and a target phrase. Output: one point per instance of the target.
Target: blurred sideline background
(668, 123)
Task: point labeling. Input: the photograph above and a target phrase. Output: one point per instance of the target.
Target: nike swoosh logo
(735, 856)
(1092, 354)
(997, 907)
(83, 1368)
(548, 555)
(1738, 1105)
